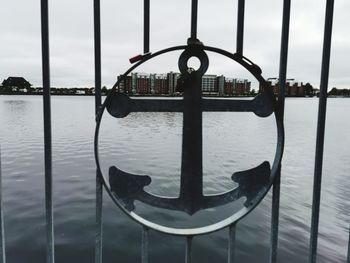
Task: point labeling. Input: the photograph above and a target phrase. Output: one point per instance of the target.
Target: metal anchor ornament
(253, 184)
(130, 187)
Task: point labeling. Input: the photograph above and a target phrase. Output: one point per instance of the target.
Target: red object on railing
(138, 57)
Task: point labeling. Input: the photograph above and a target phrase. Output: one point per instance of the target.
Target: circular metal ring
(197, 52)
(256, 72)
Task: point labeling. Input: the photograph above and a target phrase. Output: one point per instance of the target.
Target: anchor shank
(191, 166)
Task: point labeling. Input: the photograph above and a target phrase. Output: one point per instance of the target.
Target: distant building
(80, 91)
(38, 90)
(16, 84)
(241, 87)
(91, 90)
(221, 85)
(339, 92)
(292, 89)
(159, 84)
(125, 84)
(141, 83)
(229, 86)
(165, 84)
(209, 84)
(172, 79)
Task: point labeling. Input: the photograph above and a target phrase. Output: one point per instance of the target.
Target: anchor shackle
(194, 50)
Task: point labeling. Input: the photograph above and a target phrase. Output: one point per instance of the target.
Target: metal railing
(2, 233)
(321, 122)
(50, 249)
(50, 256)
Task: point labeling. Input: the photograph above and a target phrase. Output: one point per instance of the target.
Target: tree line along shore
(143, 86)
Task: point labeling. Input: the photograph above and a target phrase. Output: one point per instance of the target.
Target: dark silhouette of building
(339, 92)
(293, 88)
(16, 84)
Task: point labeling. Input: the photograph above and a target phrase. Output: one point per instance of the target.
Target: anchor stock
(120, 105)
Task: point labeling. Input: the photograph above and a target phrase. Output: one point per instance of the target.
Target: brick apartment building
(293, 88)
(165, 84)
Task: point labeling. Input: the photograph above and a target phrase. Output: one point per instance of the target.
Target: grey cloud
(71, 32)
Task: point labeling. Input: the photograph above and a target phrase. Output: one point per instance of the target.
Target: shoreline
(160, 96)
(134, 95)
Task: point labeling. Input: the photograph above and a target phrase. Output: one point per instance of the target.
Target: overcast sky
(72, 50)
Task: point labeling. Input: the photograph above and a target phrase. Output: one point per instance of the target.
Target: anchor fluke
(130, 187)
(127, 186)
(252, 181)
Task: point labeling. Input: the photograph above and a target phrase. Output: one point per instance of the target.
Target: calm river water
(151, 144)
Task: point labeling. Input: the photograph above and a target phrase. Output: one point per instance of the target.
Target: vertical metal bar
(144, 245)
(99, 188)
(99, 229)
(284, 54)
(281, 101)
(194, 13)
(231, 243)
(146, 19)
(2, 232)
(97, 39)
(348, 261)
(321, 129)
(50, 253)
(188, 257)
(240, 27)
(275, 217)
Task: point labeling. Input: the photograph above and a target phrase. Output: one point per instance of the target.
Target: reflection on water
(151, 144)
(16, 103)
